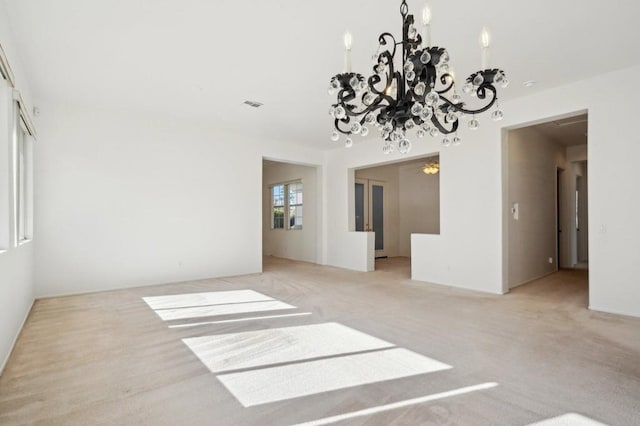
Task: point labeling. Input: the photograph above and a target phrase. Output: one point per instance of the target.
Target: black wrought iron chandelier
(421, 96)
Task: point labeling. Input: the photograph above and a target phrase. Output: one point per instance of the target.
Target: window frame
(286, 226)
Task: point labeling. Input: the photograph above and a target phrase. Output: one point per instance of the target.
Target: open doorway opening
(290, 212)
(394, 201)
(546, 194)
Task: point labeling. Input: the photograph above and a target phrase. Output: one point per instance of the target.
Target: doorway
(395, 201)
(291, 211)
(546, 191)
(370, 201)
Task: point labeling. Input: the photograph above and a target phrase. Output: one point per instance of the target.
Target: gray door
(360, 206)
(377, 214)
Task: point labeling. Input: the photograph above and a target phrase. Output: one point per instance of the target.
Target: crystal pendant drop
(335, 84)
(425, 57)
(409, 124)
(368, 99)
(335, 136)
(432, 97)
(444, 58)
(499, 78)
(467, 88)
(505, 83)
(456, 98)
(426, 128)
(434, 132)
(478, 80)
(416, 109)
(370, 118)
(444, 68)
(420, 133)
(411, 75)
(446, 141)
(451, 117)
(456, 140)
(340, 112)
(385, 149)
(362, 86)
(404, 146)
(332, 111)
(356, 128)
(380, 69)
(408, 66)
(412, 31)
(331, 90)
(364, 131)
(497, 115)
(420, 89)
(474, 124)
(426, 114)
(348, 143)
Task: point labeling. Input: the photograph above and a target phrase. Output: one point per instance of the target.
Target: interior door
(362, 205)
(376, 214)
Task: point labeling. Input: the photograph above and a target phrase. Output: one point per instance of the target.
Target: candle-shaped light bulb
(348, 42)
(426, 15)
(485, 38)
(426, 20)
(485, 41)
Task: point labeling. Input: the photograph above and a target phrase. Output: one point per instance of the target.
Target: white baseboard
(15, 339)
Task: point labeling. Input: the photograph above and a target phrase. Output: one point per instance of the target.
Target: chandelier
(431, 168)
(421, 95)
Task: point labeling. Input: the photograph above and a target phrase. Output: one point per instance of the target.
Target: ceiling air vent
(253, 104)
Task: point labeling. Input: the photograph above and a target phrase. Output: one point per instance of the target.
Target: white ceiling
(202, 59)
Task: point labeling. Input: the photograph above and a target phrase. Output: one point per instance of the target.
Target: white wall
(296, 244)
(128, 200)
(533, 160)
(16, 263)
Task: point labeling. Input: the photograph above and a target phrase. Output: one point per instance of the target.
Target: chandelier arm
(446, 79)
(442, 129)
(345, 121)
(481, 95)
(375, 105)
(383, 42)
(345, 99)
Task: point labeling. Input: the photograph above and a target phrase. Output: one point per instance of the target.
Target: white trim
(25, 117)
(5, 68)
(15, 339)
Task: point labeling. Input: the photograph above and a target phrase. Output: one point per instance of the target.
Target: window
(286, 206)
(277, 202)
(22, 182)
(295, 205)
